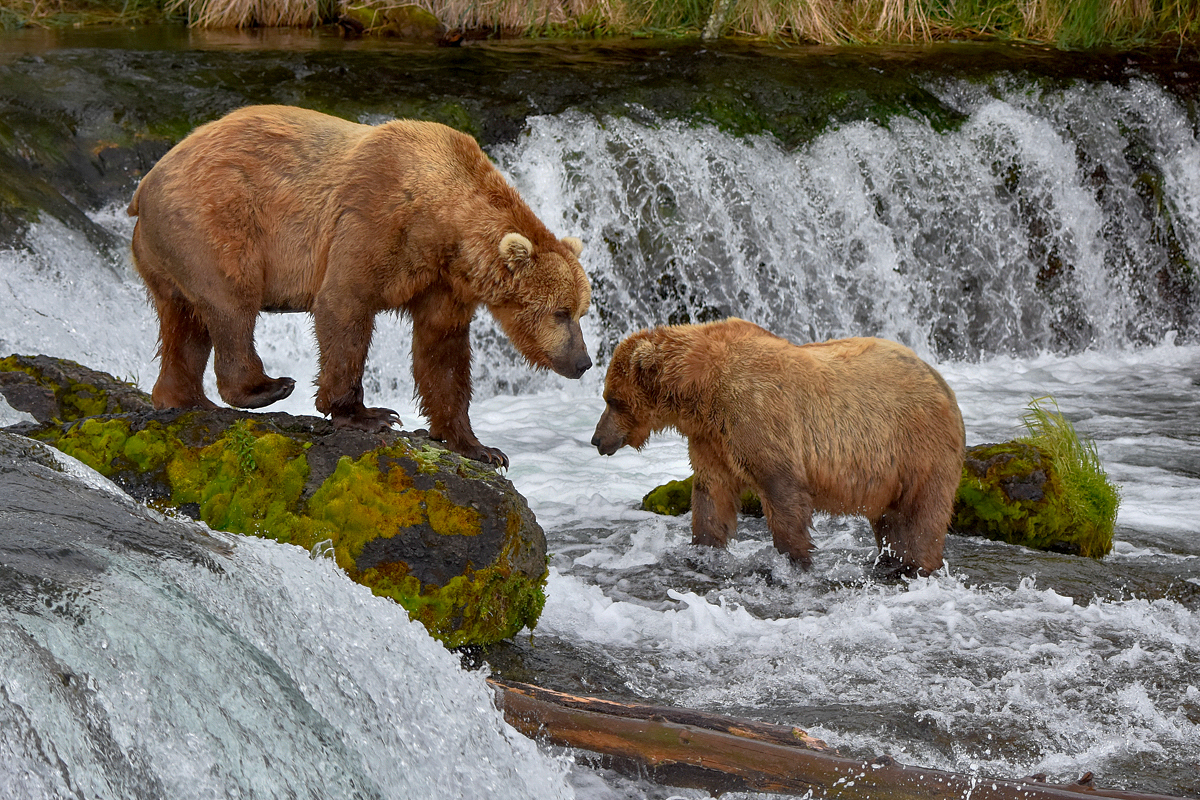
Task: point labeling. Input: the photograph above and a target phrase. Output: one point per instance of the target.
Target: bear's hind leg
(913, 531)
(344, 329)
(183, 350)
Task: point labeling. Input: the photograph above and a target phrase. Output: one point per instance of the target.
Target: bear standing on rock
(273, 208)
(850, 426)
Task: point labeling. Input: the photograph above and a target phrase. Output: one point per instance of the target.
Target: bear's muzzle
(608, 438)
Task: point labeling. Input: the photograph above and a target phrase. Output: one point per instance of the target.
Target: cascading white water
(999, 236)
(145, 657)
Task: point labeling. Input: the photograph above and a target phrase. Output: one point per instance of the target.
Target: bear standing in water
(273, 208)
(850, 426)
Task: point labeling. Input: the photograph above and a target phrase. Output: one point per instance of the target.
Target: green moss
(675, 497)
(149, 452)
(448, 519)
(359, 503)
(672, 498)
(1046, 490)
(481, 607)
(97, 443)
(252, 481)
(75, 400)
(263, 499)
(363, 504)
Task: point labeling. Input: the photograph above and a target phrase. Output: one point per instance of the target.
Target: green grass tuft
(1088, 493)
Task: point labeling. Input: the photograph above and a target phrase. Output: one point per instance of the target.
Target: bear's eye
(562, 316)
(616, 406)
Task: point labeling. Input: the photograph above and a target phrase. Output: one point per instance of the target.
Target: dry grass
(248, 13)
(1065, 23)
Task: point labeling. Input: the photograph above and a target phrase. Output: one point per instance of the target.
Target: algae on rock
(675, 497)
(55, 388)
(447, 538)
(1046, 490)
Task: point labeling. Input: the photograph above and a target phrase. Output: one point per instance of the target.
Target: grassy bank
(1073, 24)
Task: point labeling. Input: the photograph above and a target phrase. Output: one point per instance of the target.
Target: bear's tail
(132, 210)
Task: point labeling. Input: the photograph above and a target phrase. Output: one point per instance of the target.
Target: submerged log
(447, 538)
(681, 747)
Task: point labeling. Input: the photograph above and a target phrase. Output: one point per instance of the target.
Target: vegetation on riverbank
(1071, 24)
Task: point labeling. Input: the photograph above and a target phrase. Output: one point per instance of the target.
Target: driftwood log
(681, 747)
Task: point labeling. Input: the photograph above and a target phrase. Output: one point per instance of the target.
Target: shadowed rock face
(57, 389)
(449, 539)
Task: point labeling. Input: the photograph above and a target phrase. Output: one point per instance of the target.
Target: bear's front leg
(344, 330)
(714, 495)
(442, 371)
(788, 509)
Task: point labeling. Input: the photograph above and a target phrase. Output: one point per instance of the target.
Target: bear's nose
(596, 440)
(583, 364)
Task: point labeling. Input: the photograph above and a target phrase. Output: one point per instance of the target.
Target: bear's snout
(605, 448)
(572, 360)
(608, 438)
(572, 365)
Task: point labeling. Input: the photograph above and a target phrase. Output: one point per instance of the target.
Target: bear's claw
(489, 455)
(270, 391)
(370, 420)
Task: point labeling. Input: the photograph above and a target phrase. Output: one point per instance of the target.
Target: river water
(1032, 230)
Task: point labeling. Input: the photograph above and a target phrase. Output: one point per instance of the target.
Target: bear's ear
(574, 243)
(516, 250)
(644, 363)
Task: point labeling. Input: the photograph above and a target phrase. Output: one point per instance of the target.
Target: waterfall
(145, 656)
(1031, 235)
(1047, 220)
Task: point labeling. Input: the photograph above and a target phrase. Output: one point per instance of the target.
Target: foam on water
(270, 674)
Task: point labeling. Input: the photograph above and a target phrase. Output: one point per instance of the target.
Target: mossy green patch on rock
(675, 497)
(448, 539)
(58, 389)
(1011, 492)
(1046, 491)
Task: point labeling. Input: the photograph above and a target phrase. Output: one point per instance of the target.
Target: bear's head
(544, 292)
(632, 396)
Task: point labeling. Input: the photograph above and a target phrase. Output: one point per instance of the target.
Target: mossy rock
(405, 22)
(447, 538)
(675, 497)
(1014, 492)
(53, 389)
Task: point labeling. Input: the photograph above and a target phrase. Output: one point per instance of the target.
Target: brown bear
(850, 426)
(273, 208)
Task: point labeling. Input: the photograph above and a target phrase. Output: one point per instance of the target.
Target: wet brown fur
(849, 426)
(273, 208)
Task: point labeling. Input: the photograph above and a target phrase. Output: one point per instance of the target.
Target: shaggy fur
(851, 426)
(273, 208)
